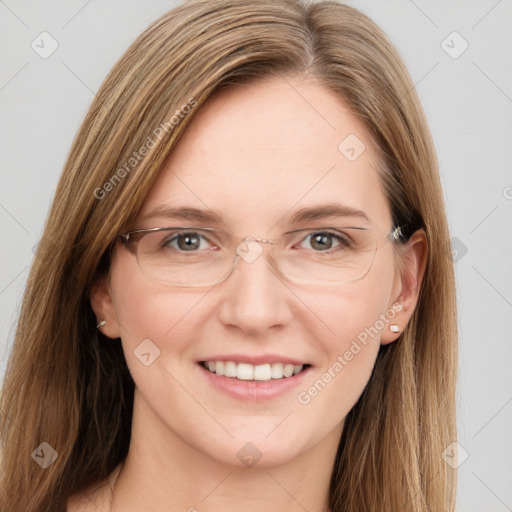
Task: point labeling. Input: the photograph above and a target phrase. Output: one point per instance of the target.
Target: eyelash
(343, 241)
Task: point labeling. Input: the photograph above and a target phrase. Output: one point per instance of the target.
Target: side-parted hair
(69, 386)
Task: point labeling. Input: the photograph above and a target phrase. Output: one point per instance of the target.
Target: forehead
(256, 153)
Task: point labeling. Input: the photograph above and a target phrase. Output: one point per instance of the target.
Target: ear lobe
(413, 261)
(101, 302)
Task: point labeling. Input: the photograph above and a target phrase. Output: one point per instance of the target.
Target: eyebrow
(303, 215)
(185, 213)
(326, 211)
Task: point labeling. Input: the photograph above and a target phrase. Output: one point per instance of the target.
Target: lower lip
(254, 390)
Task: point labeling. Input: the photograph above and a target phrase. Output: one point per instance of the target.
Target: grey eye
(184, 242)
(321, 241)
(324, 240)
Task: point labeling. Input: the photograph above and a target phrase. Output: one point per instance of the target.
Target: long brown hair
(69, 386)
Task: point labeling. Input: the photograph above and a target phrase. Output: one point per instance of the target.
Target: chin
(253, 448)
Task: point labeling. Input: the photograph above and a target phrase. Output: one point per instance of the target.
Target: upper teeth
(246, 371)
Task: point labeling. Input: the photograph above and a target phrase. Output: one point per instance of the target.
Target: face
(255, 155)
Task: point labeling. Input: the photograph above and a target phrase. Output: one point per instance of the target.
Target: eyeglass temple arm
(398, 235)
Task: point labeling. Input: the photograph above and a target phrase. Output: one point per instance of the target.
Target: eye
(188, 241)
(322, 241)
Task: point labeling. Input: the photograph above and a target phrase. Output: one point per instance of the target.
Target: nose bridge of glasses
(250, 248)
(251, 238)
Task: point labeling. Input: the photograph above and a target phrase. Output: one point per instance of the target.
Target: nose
(254, 297)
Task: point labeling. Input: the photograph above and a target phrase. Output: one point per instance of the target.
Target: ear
(411, 269)
(100, 296)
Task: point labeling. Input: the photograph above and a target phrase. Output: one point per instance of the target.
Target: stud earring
(101, 324)
(394, 328)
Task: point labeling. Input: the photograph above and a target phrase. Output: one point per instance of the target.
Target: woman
(243, 296)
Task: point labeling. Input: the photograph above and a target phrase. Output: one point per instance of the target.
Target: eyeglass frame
(395, 235)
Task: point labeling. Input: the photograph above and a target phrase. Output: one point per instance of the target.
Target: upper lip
(255, 359)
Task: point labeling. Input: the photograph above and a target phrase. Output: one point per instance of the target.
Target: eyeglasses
(191, 256)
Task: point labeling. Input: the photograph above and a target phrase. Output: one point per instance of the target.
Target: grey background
(468, 102)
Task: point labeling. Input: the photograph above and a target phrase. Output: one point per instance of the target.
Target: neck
(171, 476)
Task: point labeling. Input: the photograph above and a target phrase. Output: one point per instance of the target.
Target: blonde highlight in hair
(68, 385)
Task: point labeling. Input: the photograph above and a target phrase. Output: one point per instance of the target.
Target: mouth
(252, 377)
(254, 373)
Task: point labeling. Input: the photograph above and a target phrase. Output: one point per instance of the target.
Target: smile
(250, 372)
(253, 382)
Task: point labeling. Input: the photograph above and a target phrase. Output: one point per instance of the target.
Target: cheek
(355, 316)
(148, 311)
(353, 311)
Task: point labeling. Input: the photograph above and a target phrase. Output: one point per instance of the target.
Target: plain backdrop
(459, 55)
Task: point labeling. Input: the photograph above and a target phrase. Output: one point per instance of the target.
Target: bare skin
(254, 155)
